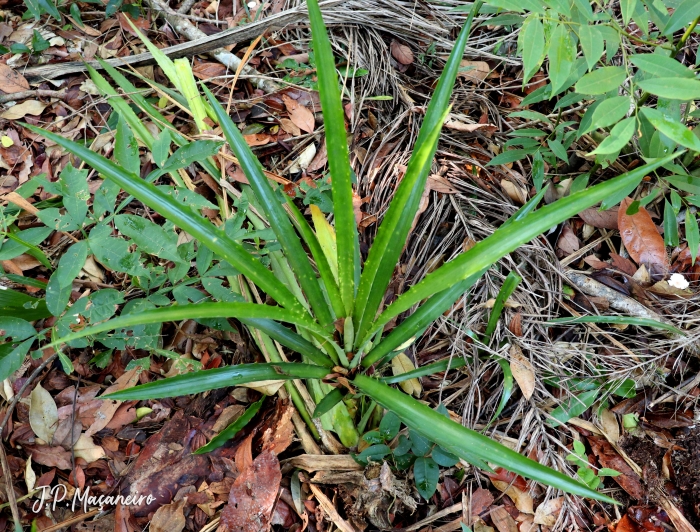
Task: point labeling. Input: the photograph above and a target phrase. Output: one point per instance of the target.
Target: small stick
(36, 93)
(11, 499)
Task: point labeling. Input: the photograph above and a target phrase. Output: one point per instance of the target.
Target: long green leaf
(211, 379)
(394, 229)
(623, 320)
(428, 369)
(509, 285)
(246, 311)
(464, 442)
(188, 220)
(276, 215)
(338, 158)
(509, 237)
(234, 428)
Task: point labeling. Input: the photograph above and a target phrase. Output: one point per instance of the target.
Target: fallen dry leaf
(86, 449)
(253, 496)
(515, 192)
(43, 414)
(27, 107)
(140, 23)
(169, 518)
(568, 241)
(609, 424)
(641, 238)
(299, 115)
(257, 139)
(50, 456)
(608, 457)
(290, 127)
(402, 364)
(523, 371)
(600, 219)
(547, 513)
(522, 499)
(11, 81)
(401, 53)
(480, 501)
(29, 475)
(107, 409)
(440, 184)
(478, 70)
(502, 520)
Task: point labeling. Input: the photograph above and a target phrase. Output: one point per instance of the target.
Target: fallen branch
(199, 46)
(185, 28)
(38, 93)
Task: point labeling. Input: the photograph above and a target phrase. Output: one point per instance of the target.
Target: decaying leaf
(27, 107)
(169, 518)
(608, 457)
(401, 364)
(253, 496)
(43, 414)
(600, 219)
(11, 81)
(523, 371)
(641, 238)
(107, 408)
(401, 53)
(609, 424)
(29, 475)
(440, 184)
(265, 387)
(474, 71)
(299, 115)
(547, 513)
(502, 520)
(522, 499)
(86, 449)
(515, 192)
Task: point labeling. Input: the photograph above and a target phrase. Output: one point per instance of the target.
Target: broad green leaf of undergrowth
(338, 158)
(592, 44)
(231, 430)
(508, 238)
(426, 474)
(619, 136)
(463, 442)
(660, 66)
(673, 88)
(574, 407)
(683, 15)
(562, 53)
(675, 131)
(126, 150)
(196, 151)
(531, 43)
(670, 225)
(150, 238)
(606, 113)
(628, 8)
(601, 80)
(692, 234)
(60, 284)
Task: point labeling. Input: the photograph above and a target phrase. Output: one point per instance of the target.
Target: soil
(684, 484)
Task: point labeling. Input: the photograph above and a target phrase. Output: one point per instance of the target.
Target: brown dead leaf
(257, 139)
(547, 513)
(600, 219)
(281, 433)
(523, 371)
(107, 409)
(623, 264)
(27, 107)
(290, 127)
(169, 518)
(253, 496)
(299, 115)
(609, 424)
(608, 457)
(401, 53)
(663, 288)
(515, 192)
(11, 81)
(86, 449)
(140, 23)
(440, 184)
(522, 499)
(356, 205)
(641, 238)
(626, 525)
(49, 456)
(568, 241)
(480, 501)
(502, 520)
(478, 70)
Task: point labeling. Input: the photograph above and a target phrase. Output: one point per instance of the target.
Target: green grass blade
(328, 402)
(211, 379)
(464, 442)
(509, 285)
(619, 320)
(187, 219)
(338, 158)
(276, 215)
(417, 322)
(319, 256)
(393, 231)
(428, 369)
(509, 237)
(199, 311)
(507, 389)
(234, 428)
(290, 339)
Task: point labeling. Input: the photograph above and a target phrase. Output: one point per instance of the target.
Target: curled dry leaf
(523, 371)
(43, 414)
(609, 424)
(11, 81)
(548, 512)
(257, 139)
(29, 475)
(299, 115)
(401, 53)
(641, 238)
(86, 449)
(474, 71)
(568, 241)
(169, 517)
(515, 192)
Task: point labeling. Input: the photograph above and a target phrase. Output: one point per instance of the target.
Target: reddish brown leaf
(253, 496)
(11, 81)
(401, 53)
(626, 525)
(258, 139)
(480, 501)
(440, 184)
(640, 237)
(169, 518)
(568, 242)
(502, 520)
(608, 457)
(299, 115)
(140, 23)
(623, 264)
(601, 219)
